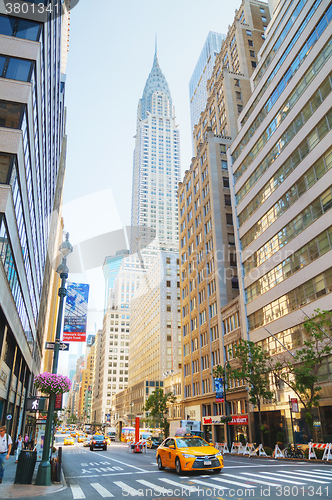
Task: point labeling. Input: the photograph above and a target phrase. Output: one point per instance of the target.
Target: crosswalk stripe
(156, 488)
(323, 471)
(76, 491)
(101, 490)
(269, 477)
(277, 477)
(179, 485)
(128, 489)
(232, 482)
(314, 474)
(296, 475)
(252, 480)
(210, 485)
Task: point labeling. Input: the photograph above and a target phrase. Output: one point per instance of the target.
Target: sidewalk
(10, 490)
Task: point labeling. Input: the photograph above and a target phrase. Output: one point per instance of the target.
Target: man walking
(5, 447)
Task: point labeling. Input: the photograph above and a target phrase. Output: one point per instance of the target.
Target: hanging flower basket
(51, 382)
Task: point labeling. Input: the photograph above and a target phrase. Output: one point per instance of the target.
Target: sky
(111, 51)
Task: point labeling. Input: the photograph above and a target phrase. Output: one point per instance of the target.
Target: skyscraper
(201, 74)
(282, 196)
(156, 171)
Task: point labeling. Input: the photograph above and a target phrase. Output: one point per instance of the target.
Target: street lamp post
(228, 433)
(44, 470)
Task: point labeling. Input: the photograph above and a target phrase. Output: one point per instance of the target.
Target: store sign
(239, 420)
(212, 420)
(294, 405)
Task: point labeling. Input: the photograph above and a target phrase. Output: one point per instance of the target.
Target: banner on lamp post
(219, 385)
(74, 329)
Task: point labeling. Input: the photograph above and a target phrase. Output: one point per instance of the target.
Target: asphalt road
(117, 474)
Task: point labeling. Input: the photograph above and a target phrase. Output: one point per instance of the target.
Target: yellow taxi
(80, 438)
(68, 440)
(63, 431)
(188, 453)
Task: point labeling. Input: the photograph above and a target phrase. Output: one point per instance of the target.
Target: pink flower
(52, 382)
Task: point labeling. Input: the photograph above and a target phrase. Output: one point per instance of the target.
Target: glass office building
(32, 163)
(202, 73)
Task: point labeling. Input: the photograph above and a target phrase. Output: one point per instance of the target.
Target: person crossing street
(5, 447)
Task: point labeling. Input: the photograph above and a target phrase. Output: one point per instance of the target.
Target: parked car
(98, 441)
(153, 442)
(190, 453)
(86, 442)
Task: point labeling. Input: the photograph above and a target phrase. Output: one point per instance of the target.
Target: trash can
(25, 467)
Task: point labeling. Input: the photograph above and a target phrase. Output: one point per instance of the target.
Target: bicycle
(293, 451)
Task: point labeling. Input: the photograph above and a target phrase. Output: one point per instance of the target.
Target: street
(116, 473)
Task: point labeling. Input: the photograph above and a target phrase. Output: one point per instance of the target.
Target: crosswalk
(165, 483)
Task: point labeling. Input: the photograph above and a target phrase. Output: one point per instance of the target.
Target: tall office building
(208, 274)
(155, 330)
(156, 171)
(282, 195)
(32, 159)
(201, 74)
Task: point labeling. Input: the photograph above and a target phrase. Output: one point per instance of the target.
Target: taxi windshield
(191, 442)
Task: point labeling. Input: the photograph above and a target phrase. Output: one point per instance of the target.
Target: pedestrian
(5, 447)
(19, 443)
(26, 441)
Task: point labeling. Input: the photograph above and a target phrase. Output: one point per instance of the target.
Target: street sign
(9, 417)
(63, 346)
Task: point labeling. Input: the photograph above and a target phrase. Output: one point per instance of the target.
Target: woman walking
(19, 443)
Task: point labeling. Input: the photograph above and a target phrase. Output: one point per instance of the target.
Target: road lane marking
(232, 482)
(101, 490)
(128, 489)
(178, 485)
(76, 491)
(277, 477)
(260, 481)
(157, 489)
(250, 480)
(210, 485)
(296, 475)
(124, 463)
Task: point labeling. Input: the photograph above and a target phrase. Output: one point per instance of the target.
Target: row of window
(301, 186)
(303, 294)
(295, 126)
(301, 258)
(312, 212)
(292, 161)
(301, 86)
(303, 52)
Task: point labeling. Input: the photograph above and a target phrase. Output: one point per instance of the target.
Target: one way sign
(62, 347)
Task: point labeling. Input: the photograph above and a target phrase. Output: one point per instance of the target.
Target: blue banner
(76, 309)
(219, 385)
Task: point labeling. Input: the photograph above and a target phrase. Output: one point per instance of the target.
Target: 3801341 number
(25, 7)
(295, 491)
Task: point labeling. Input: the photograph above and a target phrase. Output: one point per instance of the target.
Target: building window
(231, 239)
(229, 219)
(253, 64)
(252, 53)
(239, 108)
(225, 181)
(228, 202)
(251, 43)
(238, 95)
(224, 165)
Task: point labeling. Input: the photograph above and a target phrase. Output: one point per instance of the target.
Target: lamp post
(44, 470)
(131, 412)
(228, 436)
